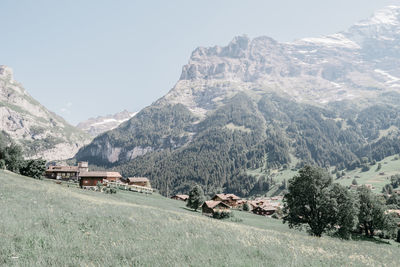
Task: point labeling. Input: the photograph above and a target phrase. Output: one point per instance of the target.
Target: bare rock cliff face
(41, 133)
(358, 65)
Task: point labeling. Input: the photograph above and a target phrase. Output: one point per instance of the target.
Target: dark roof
(212, 204)
(100, 174)
(137, 179)
(266, 208)
(62, 169)
(182, 196)
(227, 196)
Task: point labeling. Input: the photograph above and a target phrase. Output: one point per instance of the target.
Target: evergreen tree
(196, 197)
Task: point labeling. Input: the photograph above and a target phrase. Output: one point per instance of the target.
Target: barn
(140, 181)
(180, 197)
(92, 178)
(211, 206)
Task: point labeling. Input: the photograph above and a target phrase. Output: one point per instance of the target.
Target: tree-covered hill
(247, 132)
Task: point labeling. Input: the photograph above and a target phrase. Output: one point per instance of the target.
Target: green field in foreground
(43, 223)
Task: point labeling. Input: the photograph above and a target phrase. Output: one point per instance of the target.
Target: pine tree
(196, 197)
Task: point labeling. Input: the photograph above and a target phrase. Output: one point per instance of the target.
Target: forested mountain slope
(257, 103)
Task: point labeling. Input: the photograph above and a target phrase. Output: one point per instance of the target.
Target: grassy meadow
(377, 178)
(43, 223)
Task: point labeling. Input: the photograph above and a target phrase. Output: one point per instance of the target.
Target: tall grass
(43, 224)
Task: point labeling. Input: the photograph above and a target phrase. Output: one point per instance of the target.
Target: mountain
(257, 104)
(41, 132)
(101, 124)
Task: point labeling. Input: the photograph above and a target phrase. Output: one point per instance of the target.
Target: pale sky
(87, 58)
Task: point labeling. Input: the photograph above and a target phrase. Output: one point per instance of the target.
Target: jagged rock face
(101, 124)
(359, 63)
(40, 132)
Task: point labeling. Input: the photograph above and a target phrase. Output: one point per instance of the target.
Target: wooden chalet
(180, 197)
(229, 199)
(92, 178)
(211, 206)
(140, 181)
(66, 172)
(264, 210)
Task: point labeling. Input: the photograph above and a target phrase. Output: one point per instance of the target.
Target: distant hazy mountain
(260, 104)
(41, 132)
(101, 124)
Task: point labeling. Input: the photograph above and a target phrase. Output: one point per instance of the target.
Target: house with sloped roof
(180, 197)
(139, 181)
(66, 172)
(264, 210)
(229, 199)
(87, 179)
(210, 207)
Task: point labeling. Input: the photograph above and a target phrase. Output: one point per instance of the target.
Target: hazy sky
(87, 58)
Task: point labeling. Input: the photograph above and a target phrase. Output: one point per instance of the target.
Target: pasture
(43, 223)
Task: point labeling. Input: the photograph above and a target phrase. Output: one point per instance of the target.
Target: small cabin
(264, 210)
(229, 199)
(139, 181)
(92, 178)
(180, 197)
(211, 206)
(66, 172)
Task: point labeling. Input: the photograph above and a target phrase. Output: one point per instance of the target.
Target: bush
(364, 168)
(222, 214)
(398, 236)
(34, 168)
(246, 207)
(110, 190)
(2, 164)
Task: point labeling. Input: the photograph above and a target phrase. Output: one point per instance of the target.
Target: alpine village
(263, 153)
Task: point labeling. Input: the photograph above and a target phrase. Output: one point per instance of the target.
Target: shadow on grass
(188, 209)
(363, 238)
(358, 237)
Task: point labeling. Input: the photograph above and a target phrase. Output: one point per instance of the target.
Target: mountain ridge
(42, 133)
(253, 91)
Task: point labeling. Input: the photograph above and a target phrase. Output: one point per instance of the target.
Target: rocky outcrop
(357, 65)
(40, 132)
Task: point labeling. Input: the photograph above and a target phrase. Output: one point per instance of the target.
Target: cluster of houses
(226, 202)
(89, 179)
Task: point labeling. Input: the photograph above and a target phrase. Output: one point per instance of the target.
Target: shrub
(2, 164)
(398, 236)
(246, 207)
(222, 214)
(34, 168)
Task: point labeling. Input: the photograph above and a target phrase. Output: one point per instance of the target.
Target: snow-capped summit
(389, 15)
(101, 124)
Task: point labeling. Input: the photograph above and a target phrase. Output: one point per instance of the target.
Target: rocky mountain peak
(6, 72)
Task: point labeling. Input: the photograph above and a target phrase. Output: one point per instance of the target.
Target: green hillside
(43, 223)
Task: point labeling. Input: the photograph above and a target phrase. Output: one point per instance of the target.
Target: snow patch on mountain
(101, 124)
